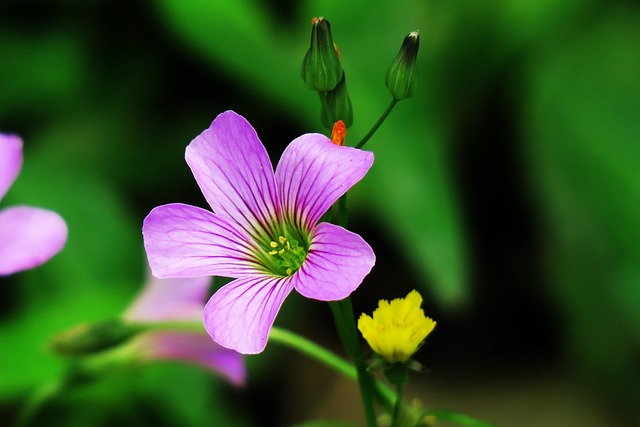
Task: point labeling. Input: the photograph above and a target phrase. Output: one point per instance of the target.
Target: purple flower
(265, 230)
(181, 300)
(28, 236)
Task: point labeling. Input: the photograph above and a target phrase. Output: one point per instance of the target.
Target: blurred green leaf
(29, 362)
(92, 278)
(583, 133)
(246, 40)
(39, 74)
(161, 394)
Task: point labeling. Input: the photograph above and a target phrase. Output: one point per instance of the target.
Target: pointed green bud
(401, 78)
(321, 69)
(336, 105)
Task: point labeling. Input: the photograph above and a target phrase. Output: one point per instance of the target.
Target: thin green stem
(171, 325)
(396, 406)
(346, 323)
(460, 419)
(383, 393)
(365, 381)
(336, 310)
(313, 350)
(37, 400)
(375, 127)
(320, 354)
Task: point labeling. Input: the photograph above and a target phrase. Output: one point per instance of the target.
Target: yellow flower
(397, 328)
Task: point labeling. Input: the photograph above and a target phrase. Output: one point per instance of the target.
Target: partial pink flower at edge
(28, 236)
(263, 230)
(181, 300)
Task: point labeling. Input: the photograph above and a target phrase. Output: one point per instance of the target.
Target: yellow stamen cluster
(397, 328)
(289, 255)
(286, 246)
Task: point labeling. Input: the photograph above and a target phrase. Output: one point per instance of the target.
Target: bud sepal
(335, 105)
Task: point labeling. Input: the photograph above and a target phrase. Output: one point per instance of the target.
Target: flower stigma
(338, 133)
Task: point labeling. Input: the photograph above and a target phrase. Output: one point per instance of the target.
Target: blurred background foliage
(507, 191)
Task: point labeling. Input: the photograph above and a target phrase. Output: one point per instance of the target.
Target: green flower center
(287, 255)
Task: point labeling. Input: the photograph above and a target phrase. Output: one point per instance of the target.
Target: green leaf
(583, 133)
(92, 278)
(38, 74)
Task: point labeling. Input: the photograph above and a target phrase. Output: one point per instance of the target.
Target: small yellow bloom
(397, 328)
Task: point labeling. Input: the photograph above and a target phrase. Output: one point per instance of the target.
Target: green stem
(365, 381)
(320, 354)
(396, 406)
(375, 127)
(37, 400)
(346, 323)
(460, 419)
(313, 350)
(383, 393)
(171, 325)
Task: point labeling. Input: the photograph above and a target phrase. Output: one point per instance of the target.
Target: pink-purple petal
(235, 174)
(29, 237)
(337, 262)
(10, 161)
(186, 241)
(170, 299)
(194, 348)
(313, 173)
(239, 315)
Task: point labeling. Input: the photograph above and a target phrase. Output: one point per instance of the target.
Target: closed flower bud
(401, 78)
(336, 105)
(321, 69)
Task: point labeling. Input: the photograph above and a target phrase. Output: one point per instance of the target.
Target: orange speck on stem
(339, 133)
(314, 20)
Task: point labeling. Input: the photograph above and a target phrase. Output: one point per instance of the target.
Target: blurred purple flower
(28, 236)
(181, 300)
(265, 230)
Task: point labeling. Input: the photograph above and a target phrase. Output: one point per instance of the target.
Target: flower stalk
(346, 323)
(313, 350)
(377, 124)
(320, 354)
(456, 418)
(382, 393)
(396, 406)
